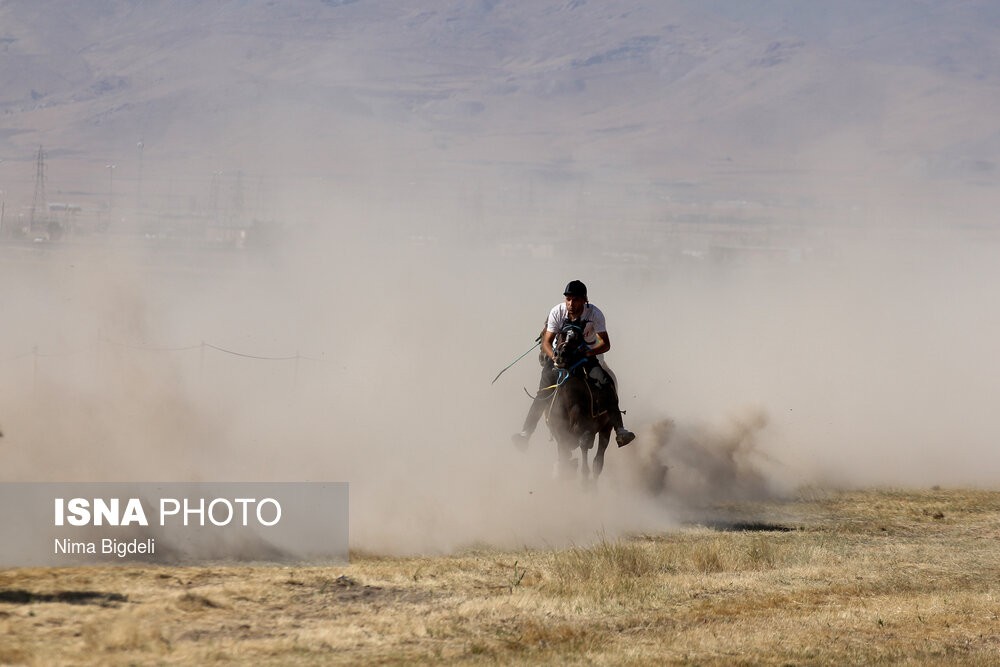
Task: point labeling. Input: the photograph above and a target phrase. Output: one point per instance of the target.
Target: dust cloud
(796, 289)
(864, 361)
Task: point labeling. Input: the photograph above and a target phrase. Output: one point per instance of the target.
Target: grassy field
(860, 577)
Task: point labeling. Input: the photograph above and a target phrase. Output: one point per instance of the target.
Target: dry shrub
(13, 654)
(761, 554)
(128, 629)
(537, 637)
(126, 632)
(195, 602)
(709, 556)
(619, 570)
(736, 552)
(561, 636)
(607, 559)
(627, 569)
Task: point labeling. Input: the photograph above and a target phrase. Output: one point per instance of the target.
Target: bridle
(565, 340)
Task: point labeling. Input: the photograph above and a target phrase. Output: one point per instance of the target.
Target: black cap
(575, 288)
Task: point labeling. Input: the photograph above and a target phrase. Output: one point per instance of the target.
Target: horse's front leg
(565, 466)
(602, 444)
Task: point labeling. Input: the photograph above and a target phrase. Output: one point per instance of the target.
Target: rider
(576, 310)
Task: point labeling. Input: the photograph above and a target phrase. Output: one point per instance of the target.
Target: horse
(573, 415)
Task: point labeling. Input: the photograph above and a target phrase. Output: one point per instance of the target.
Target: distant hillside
(771, 102)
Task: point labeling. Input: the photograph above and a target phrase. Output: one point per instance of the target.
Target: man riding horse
(578, 311)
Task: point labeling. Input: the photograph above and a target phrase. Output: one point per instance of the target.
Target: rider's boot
(520, 440)
(623, 436)
(609, 398)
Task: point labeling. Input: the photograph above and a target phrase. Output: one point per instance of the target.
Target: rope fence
(35, 354)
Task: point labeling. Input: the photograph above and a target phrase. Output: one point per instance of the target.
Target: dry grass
(866, 577)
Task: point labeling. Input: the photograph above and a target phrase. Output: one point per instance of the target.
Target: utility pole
(238, 199)
(111, 188)
(138, 187)
(38, 217)
(214, 196)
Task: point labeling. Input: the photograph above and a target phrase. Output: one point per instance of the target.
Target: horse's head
(569, 346)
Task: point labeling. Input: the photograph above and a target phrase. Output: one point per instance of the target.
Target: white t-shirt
(592, 317)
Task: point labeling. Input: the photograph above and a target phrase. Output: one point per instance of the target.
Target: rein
(564, 374)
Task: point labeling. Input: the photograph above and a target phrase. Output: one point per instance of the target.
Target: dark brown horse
(574, 416)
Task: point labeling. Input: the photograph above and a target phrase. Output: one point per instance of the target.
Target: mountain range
(508, 112)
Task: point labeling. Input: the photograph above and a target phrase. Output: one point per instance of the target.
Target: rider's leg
(547, 379)
(534, 414)
(609, 401)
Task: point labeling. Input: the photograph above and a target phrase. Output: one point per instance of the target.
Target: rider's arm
(603, 344)
(547, 338)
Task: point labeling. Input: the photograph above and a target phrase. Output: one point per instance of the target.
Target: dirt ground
(858, 577)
